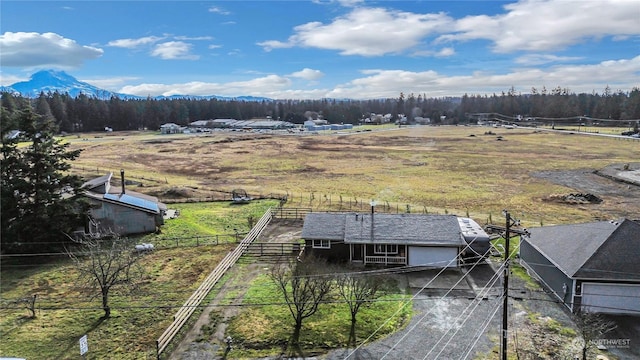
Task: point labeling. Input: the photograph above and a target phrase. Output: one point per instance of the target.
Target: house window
(321, 244)
(385, 249)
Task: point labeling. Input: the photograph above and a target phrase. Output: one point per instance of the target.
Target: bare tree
(304, 286)
(106, 263)
(591, 327)
(358, 290)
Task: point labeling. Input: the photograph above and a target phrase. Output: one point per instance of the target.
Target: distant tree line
(83, 113)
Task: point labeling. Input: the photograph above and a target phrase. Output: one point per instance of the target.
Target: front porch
(385, 254)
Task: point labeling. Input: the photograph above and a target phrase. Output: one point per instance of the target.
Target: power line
(479, 333)
(477, 301)
(406, 303)
(431, 310)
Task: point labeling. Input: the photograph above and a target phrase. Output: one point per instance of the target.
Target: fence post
(197, 241)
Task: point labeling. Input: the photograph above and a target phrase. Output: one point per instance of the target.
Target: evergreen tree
(38, 203)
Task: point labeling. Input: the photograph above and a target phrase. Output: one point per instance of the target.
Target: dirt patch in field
(615, 187)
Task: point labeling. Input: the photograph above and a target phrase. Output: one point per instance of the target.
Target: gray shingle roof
(323, 226)
(409, 229)
(596, 250)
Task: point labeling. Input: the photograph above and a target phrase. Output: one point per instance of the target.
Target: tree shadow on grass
(74, 342)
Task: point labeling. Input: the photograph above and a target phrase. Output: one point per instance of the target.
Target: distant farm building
(171, 128)
(323, 125)
(253, 124)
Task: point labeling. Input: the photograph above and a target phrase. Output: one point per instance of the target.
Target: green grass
(209, 223)
(521, 272)
(514, 245)
(66, 311)
(265, 325)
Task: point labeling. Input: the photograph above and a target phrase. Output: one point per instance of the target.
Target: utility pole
(505, 292)
(505, 283)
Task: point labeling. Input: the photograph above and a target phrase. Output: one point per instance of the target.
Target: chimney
(122, 179)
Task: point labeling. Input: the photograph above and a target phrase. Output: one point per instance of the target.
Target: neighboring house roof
(201, 123)
(169, 125)
(130, 199)
(402, 229)
(134, 201)
(13, 134)
(97, 182)
(596, 250)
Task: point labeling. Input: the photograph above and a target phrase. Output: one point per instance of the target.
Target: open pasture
(449, 169)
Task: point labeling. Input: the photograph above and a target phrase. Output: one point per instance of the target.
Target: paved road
(440, 327)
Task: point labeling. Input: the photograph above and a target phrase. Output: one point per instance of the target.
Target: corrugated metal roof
(99, 181)
(133, 201)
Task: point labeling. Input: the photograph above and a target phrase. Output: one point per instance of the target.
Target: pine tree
(39, 206)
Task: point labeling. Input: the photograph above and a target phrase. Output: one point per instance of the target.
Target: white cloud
(346, 3)
(113, 84)
(217, 10)
(529, 25)
(214, 46)
(30, 49)
(275, 44)
(366, 32)
(8, 79)
(444, 52)
(174, 50)
(134, 43)
(258, 86)
(194, 38)
(381, 83)
(544, 25)
(539, 59)
(308, 74)
(619, 74)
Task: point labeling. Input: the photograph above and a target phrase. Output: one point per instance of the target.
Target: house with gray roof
(386, 239)
(592, 267)
(120, 210)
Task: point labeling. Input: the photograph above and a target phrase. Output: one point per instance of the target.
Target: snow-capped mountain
(52, 80)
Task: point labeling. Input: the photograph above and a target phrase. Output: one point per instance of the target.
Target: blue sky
(326, 48)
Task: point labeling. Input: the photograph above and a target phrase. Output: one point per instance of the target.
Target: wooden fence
(187, 309)
(290, 213)
(260, 249)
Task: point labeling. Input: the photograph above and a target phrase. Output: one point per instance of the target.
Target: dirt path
(205, 340)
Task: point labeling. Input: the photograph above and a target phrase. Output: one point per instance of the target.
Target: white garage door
(611, 298)
(433, 256)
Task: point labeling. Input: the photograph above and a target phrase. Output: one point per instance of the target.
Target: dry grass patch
(434, 167)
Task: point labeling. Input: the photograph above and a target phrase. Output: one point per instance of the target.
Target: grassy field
(66, 311)
(262, 330)
(454, 169)
(463, 170)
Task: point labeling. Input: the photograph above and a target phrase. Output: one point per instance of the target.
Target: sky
(326, 48)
